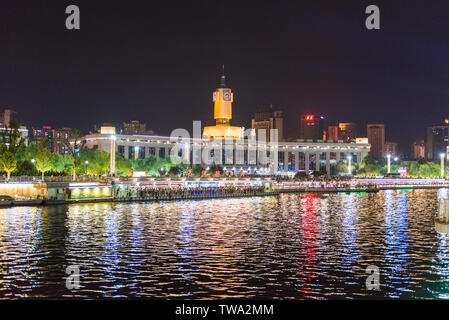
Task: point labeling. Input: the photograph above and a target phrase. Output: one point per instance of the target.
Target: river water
(292, 246)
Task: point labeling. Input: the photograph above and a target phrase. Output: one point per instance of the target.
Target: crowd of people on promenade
(178, 192)
(362, 183)
(334, 184)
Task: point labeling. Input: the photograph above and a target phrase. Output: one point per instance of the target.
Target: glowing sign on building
(310, 117)
(402, 171)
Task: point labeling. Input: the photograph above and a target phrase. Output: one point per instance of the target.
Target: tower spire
(223, 79)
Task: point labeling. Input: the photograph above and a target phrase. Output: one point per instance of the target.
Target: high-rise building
(37, 134)
(135, 127)
(348, 132)
(311, 127)
(418, 149)
(59, 139)
(7, 116)
(333, 133)
(376, 138)
(267, 120)
(391, 148)
(437, 140)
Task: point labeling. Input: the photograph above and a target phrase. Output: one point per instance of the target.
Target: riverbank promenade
(53, 190)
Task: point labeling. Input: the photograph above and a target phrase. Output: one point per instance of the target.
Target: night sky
(159, 62)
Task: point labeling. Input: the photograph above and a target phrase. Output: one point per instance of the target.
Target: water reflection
(295, 246)
(396, 242)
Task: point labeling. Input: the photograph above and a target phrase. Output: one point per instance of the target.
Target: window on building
(121, 150)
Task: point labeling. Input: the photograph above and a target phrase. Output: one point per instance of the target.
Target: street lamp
(112, 154)
(349, 164)
(33, 160)
(442, 164)
(388, 163)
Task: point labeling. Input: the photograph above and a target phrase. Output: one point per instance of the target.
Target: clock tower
(223, 98)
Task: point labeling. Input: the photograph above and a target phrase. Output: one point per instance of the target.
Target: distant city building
(418, 149)
(37, 134)
(437, 140)
(311, 127)
(97, 127)
(59, 139)
(107, 130)
(7, 116)
(391, 148)
(135, 127)
(333, 133)
(376, 138)
(23, 132)
(268, 120)
(347, 132)
(361, 140)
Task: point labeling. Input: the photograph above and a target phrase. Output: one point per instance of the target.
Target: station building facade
(232, 147)
(300, 155)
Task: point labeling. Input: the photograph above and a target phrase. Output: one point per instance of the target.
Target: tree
(74, 145)
(319, 173)
(57, 162)
(174, 172)
(370, 167)
(301, 175)
(97, 161)
(43, 157)
(197, 170)
(341, 168)
(123, 166)
(11, 141)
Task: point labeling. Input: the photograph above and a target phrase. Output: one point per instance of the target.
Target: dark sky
(160, 61)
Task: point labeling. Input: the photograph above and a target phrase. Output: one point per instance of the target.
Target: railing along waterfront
(55, 179)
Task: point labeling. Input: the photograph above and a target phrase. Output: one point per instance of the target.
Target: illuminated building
(55, 137)
(268, 120)
(292, 156)
(311, 127)
(437, 140)
(239, 156)
(376, 138)
(361, 140)
(223, 98)
(391, 148)
(418, 149)
(7, 116)
(333, 133)
(135, 127)
(107, 130)
(37, 134)
(59, 139)
(347, 132)
(22, 130)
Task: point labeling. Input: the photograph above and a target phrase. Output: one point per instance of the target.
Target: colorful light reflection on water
(295, 246)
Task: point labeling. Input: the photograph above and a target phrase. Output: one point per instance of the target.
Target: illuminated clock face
(227, 96)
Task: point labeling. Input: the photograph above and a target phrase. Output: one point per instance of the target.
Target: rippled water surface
(293, 246)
